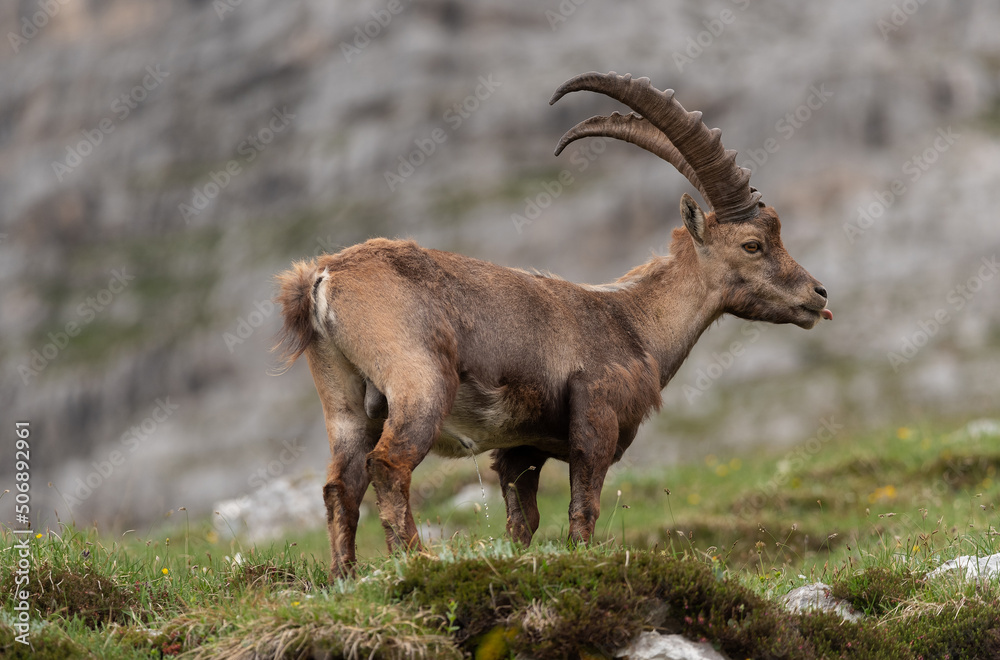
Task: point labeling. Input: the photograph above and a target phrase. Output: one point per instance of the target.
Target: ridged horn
(633, 128)
(725, 185)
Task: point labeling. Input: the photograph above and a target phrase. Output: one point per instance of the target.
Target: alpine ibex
(415, 350)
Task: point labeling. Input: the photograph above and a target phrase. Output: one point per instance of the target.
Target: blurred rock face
(162, 161)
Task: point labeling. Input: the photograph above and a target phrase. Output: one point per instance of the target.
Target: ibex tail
(299, 288)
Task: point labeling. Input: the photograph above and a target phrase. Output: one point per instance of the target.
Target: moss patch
(566, 604)
(964, 630)
(96, 599)
(876, 590)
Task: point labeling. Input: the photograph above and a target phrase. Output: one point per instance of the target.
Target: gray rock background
(156, 406)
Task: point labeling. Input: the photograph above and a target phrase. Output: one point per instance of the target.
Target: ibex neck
(678, 306)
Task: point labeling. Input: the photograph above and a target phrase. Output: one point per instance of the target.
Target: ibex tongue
(827, 314)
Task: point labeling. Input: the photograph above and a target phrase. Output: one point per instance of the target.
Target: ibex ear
(693, 218)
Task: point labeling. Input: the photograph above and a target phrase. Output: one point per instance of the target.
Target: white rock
(817, 596)
(473, 494)
(983, 428)
(654, 646)
(282, 505)
(976, 568)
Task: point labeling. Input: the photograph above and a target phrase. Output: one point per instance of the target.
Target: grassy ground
(704, 550)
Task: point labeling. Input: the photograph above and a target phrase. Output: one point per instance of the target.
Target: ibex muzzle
(414, 350)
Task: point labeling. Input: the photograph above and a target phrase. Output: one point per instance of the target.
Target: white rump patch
(321, 306)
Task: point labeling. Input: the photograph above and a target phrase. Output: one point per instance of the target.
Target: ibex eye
(752, 246)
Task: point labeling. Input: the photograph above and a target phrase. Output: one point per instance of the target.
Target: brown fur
(463, 356)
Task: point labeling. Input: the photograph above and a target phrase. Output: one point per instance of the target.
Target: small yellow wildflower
(295, 603)
(903, 433)
(165, 571)
(735, 464)
(721, 470)
(882, 493)
(38, 536)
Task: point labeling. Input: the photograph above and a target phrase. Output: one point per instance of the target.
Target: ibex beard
(415, 350)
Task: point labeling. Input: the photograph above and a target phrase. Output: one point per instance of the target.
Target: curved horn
(727, 185)
(633, 128)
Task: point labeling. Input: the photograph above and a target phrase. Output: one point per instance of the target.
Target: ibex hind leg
(352, 435)
(417, 407)
(519, 469)
(346, 483)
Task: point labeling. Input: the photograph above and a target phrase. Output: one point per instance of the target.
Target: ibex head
(737, 245)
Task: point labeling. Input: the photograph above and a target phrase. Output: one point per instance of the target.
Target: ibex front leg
(413, 424)
(593, 436)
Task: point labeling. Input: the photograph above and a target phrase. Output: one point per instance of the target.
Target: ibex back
(414, 350)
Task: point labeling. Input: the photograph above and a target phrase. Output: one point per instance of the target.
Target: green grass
(870, 516)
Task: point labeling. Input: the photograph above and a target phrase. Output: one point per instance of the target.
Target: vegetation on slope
(871, 518)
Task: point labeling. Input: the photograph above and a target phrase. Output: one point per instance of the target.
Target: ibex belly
(483, 419)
